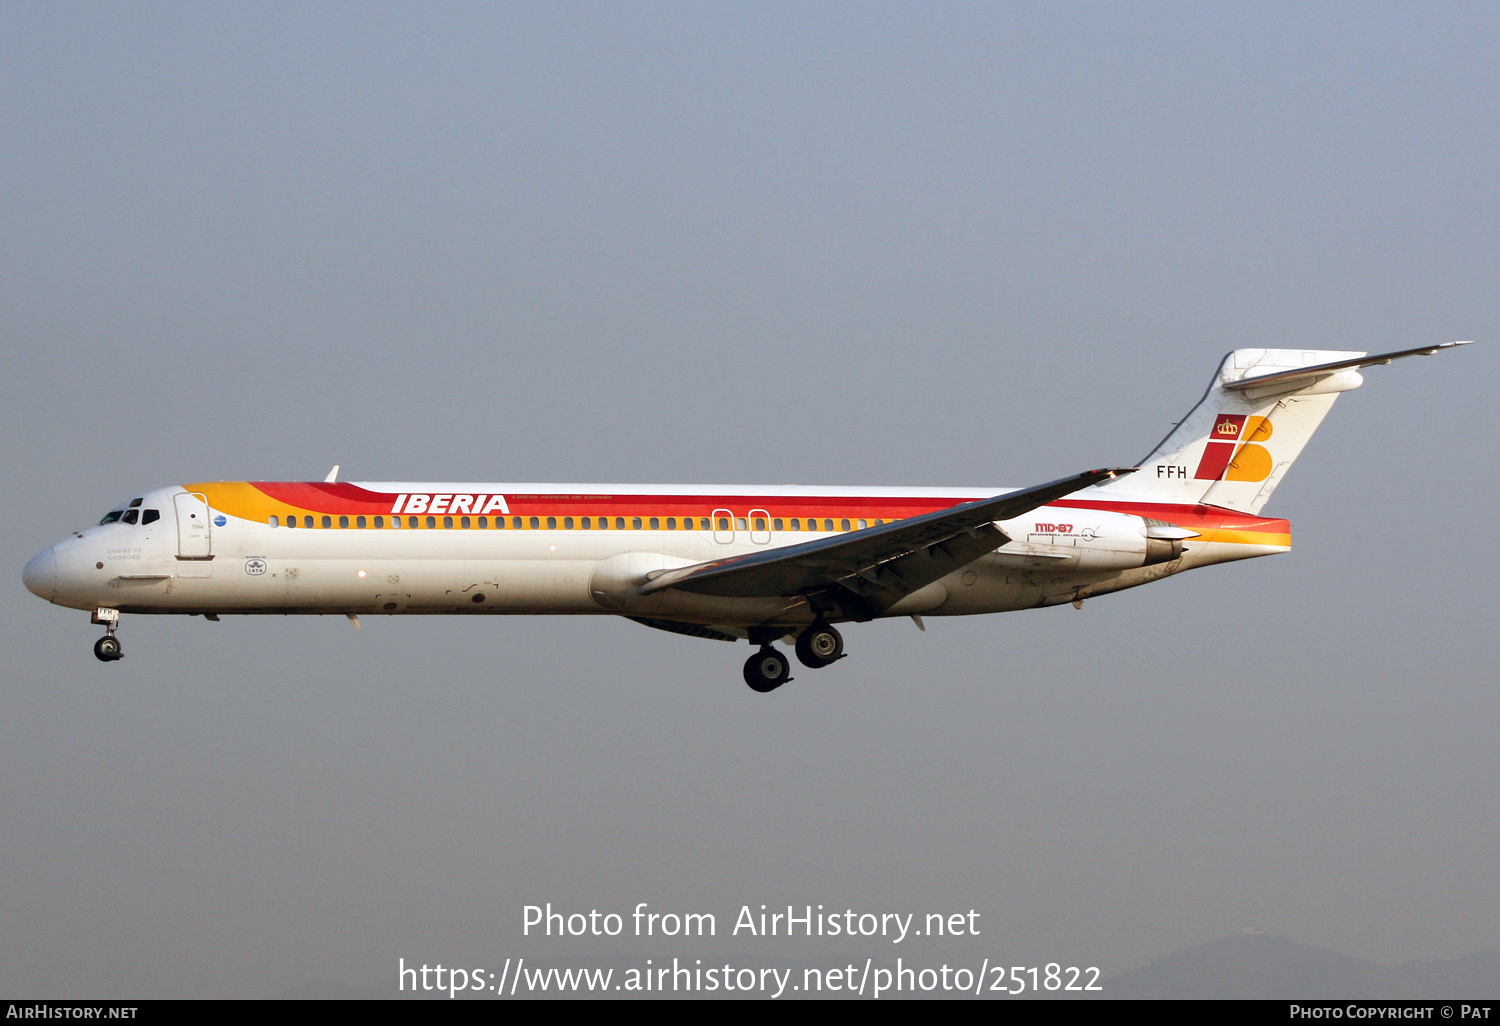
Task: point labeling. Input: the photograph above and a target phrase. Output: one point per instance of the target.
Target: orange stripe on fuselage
(258, 501)
(247, 501)
(1213, 523)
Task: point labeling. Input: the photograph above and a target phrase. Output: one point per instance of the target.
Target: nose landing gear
(107, 648)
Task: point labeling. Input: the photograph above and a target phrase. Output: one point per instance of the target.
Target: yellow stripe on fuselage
(243, 500)
(1225, 536)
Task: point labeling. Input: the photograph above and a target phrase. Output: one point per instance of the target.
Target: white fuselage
(566, 549)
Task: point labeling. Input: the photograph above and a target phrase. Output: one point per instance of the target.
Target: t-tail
(1234, 447)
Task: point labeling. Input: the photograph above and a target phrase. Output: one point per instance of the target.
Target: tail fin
(1262, 406)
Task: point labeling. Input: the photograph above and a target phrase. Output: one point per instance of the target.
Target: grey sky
(842, 244)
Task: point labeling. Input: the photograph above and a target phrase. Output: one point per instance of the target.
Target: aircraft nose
(40, 575)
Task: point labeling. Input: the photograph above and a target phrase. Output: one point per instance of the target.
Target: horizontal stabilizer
(1300, 377)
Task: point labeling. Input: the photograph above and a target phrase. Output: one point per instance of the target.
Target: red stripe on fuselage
(325, 497)
(336, 498)
(1191, 516)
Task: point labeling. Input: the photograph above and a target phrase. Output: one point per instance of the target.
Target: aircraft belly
(998, 589)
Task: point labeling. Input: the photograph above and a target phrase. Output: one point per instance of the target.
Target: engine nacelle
(1087, 541)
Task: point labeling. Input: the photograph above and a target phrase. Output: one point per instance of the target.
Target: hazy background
(841, 244)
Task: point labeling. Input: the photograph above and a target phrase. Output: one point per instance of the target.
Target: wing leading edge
(866, 572)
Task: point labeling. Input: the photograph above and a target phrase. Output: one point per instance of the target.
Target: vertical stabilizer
(1233, 448)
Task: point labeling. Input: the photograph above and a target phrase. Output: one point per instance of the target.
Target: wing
(866, 572)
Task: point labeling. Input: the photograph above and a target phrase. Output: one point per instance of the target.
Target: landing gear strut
(819, 645)
(107, 648)
(767, 670)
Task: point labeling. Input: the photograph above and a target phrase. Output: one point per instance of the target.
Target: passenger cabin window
(586, 523)
(379, 523)
(760, 523)
(619, 523)
(567, 523)
(655, 524)
(360, 522)
(796, 524)
(131, 515)
(431, 523)
(776, 523)
(307, 521)
(411, 522)
(551, 523)
(275, 521)
(447, 521)
(843, 525)
(484, 523)
(862, 524)
(671, 523)
(343, 522)
(635, 523)
(327, 523)
(739, 524)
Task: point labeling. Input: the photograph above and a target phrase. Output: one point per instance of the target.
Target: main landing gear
(817, 646)
(767, 670)
(107, 648)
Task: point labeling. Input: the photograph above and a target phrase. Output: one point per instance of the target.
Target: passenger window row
(565, 523)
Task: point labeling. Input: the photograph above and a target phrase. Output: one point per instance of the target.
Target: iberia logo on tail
(1232, 447)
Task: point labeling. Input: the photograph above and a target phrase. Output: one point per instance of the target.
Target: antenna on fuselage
(333, 475)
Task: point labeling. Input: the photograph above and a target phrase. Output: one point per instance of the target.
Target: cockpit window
(150, 516)
(135, 503)
(112, 516)
(131, 515)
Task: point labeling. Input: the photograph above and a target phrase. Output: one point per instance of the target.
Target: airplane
(760, 564)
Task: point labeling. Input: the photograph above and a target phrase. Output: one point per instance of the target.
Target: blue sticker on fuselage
(220, 520)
